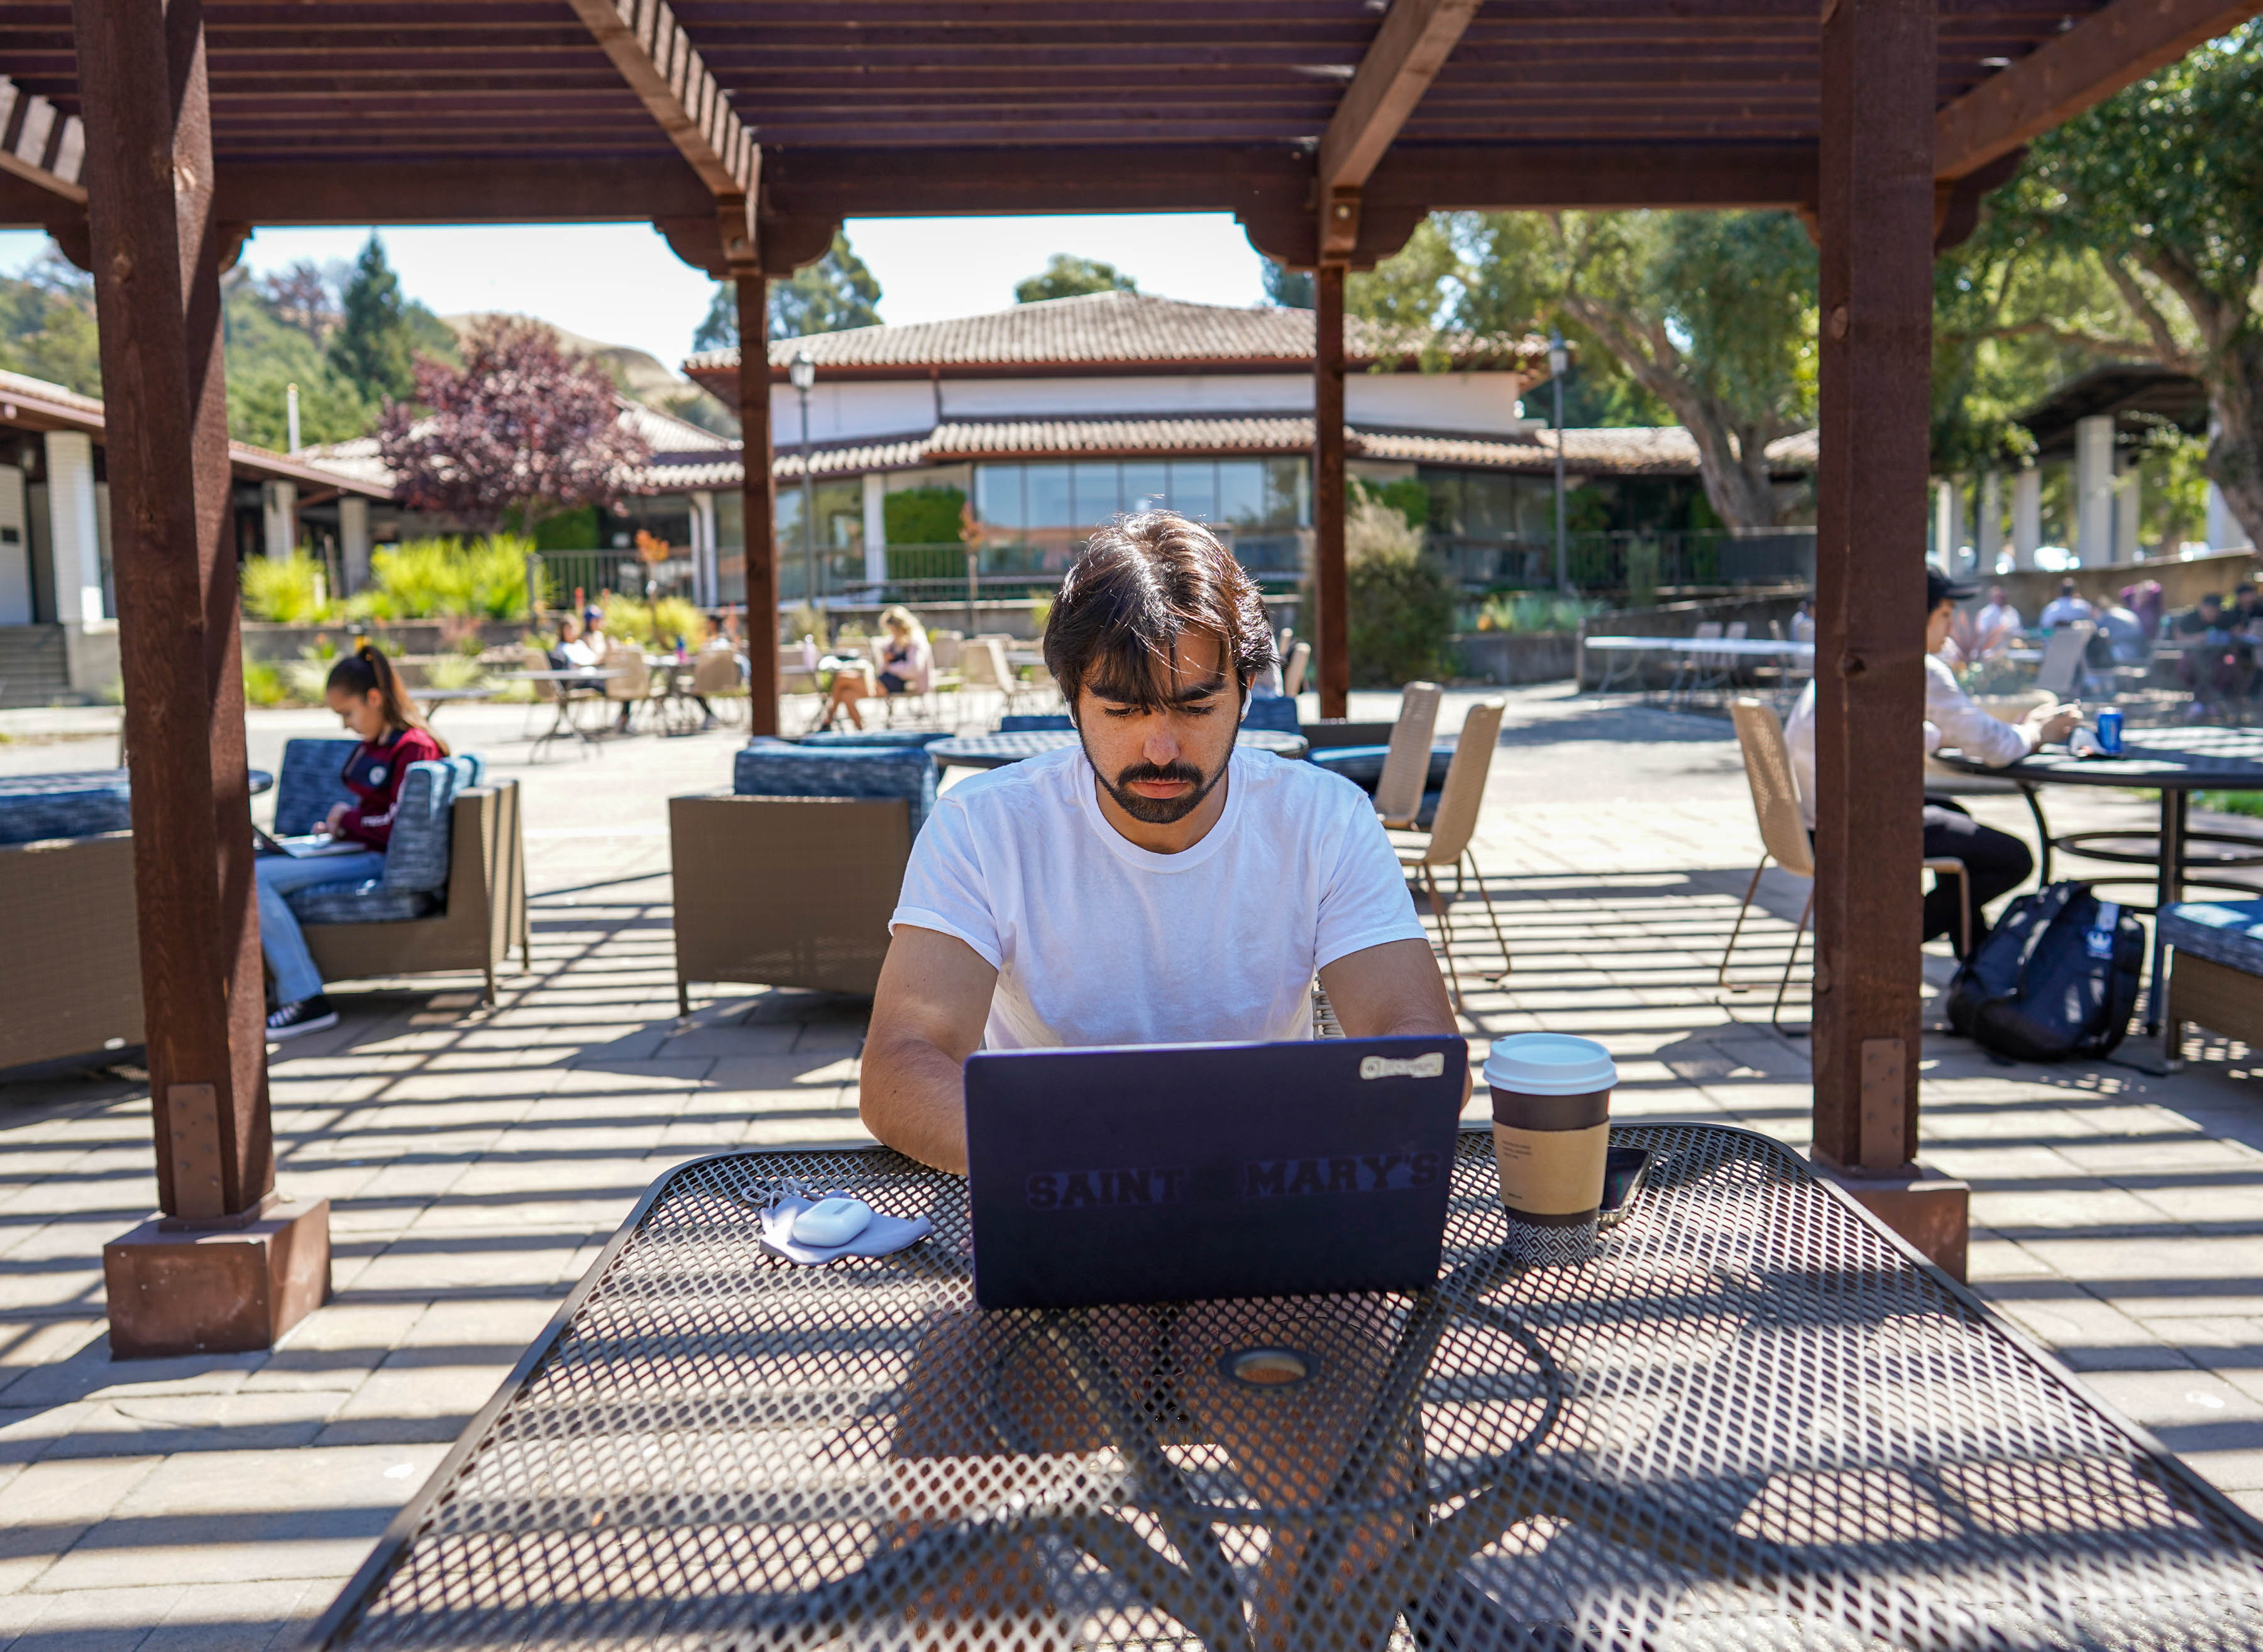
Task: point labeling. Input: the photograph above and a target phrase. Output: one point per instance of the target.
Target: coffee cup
(1552, 1132)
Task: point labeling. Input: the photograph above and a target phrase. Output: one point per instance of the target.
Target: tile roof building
(1049, 417)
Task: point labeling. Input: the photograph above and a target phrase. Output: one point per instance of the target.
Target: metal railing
(563, 573)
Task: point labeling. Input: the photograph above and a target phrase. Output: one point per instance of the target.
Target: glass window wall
(1250, 495)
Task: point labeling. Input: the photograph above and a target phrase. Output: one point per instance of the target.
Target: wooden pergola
(150, 138)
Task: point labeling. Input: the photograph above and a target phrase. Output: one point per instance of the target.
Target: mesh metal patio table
(1753, 1420)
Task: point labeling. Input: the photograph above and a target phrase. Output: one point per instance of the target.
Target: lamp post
(1558, 359)
(802, 374)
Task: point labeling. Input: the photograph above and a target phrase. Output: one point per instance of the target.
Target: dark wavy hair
(1144, 582)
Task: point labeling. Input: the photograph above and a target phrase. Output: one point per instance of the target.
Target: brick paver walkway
(477, 1160)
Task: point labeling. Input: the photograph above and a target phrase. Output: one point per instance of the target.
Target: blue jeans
(280, 937)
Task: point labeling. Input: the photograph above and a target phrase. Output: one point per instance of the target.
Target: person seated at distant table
(1995, 861)
(2068, 607)
(1802, 620)
(573, 652)
(1998, 615)
(906, 667)
(2218, 659)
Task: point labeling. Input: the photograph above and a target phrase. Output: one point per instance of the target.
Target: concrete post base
(181, 1290)
(1931, 1211)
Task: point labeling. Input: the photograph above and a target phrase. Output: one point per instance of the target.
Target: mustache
(1159, 773)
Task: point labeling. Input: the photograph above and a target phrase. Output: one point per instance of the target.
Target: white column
(2093, 489)
(2027, 516)
(2224, 532)
(706, 576)
(281, 500)
(15, 549)
(875, 529)
(1944, 522)
(353, 537)
(74, 528)
(1989, 541)
(2126, 500)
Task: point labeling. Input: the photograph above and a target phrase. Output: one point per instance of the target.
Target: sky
(619, 284)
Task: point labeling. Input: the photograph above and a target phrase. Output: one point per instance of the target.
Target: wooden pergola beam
(40, 144)
(662, 66)
(2058, 80)
(1416, 37)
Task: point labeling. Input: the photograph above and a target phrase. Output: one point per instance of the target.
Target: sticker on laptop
(1430, 1066)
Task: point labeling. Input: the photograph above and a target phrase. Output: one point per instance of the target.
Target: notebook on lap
(1198, 1171)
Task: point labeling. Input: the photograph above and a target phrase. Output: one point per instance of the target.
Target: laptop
(1194, 1171)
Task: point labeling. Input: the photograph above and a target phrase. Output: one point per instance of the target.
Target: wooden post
(1331, 596)
(157, 256)
(761, 513)
(1876, 221)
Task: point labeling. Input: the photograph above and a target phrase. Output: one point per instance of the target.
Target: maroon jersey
(374, 774)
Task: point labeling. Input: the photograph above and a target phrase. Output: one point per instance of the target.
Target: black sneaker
(309, 1015)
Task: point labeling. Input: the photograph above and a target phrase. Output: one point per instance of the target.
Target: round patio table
(2176, 763)
(996, 751)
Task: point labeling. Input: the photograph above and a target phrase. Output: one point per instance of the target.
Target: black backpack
(2057, 977)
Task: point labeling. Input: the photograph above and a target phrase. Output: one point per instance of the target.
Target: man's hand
(1393, 989)
(2053, 723)
(928, 1015)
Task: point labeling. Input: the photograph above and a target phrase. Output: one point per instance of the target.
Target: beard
(1157, 811)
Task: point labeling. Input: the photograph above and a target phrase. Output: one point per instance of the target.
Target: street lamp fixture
(1559, 360)
(801, 375)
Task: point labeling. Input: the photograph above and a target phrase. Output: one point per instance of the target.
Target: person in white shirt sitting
(1996, 861)
(1998, 615)
(2067, 607)
(1152, 883)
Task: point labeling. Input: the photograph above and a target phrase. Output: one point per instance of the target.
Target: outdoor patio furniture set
(453, 897)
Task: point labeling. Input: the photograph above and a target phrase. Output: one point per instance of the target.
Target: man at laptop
(1153, 884)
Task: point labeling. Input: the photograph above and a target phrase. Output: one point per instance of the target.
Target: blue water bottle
(2109, 730)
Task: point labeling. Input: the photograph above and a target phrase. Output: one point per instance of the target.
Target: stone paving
(477, 1160)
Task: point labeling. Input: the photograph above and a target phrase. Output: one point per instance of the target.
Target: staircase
(33, 668)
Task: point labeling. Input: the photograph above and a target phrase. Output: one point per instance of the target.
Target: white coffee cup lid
(1550, 1064)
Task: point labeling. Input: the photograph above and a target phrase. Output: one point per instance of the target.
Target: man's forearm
(913, 1096)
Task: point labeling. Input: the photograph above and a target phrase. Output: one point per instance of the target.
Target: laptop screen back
(1198, 1171)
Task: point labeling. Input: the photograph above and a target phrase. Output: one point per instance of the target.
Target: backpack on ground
(2057, 977)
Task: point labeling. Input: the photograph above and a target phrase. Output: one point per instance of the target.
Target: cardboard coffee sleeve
(1551, 1134)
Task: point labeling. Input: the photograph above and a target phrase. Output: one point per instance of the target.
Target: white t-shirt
(1098, 941)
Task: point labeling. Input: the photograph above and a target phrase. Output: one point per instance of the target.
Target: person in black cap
(1996, 861)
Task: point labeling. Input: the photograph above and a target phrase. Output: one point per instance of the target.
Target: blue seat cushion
(1034, 722)
(1362, 766)
(1273, 711)
(36, 807)
(309, 783)
(876, 737)
(2227, 933)
(764, 769)
(368, 901)
(416, 854)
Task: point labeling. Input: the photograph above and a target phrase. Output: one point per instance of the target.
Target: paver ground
(477, 1159)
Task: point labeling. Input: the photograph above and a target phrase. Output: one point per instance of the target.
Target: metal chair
(2060, 674)
(632, 687)
(1783, 837)
(1292, 671)
(1399, 793)
(1693, 664)
(1456, 822)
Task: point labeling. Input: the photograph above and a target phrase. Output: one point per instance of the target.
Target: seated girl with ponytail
(368, 699)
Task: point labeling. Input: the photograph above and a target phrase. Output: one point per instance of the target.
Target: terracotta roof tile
(1108, 328)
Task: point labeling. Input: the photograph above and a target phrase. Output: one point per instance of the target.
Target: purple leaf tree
(521, 431)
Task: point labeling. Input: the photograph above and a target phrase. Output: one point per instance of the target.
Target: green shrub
(263, 684)
(1402, 606)
(1642, 574)
(922, 516)
(423, 579)
(454, 671)
(1535, 610)
(1408, 496)
(654, 624)
(289, 592)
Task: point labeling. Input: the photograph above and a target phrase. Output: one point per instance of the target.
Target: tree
(1401, 604)
(835, 292)
(301, 297)
(1288, 288)
(1066, 276)
(46, 325)
(522, 431)
(1712, 314)
(2159, 191)
(376, 345)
